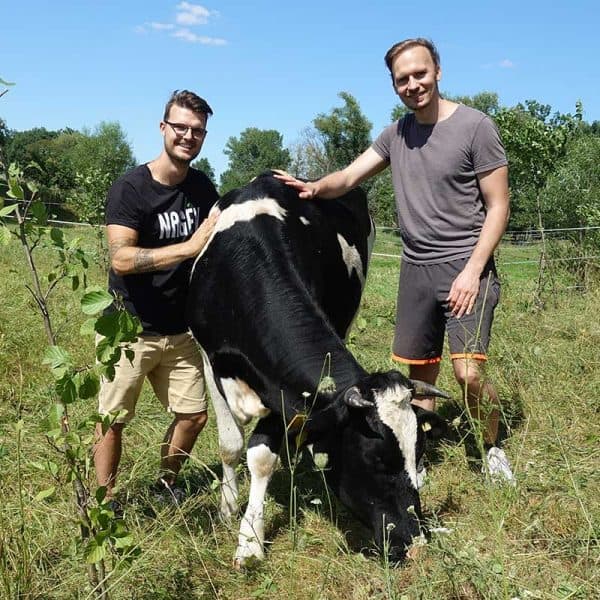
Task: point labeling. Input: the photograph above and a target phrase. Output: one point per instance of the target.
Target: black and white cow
(271, 299)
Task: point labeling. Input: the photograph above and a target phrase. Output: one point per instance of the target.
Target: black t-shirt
(162, 215)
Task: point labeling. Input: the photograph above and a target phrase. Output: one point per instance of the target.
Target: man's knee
(467, 373)
(115, 431)
(191, 423)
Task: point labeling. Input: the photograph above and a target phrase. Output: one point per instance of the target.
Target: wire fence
(529, 237)
(390, 245)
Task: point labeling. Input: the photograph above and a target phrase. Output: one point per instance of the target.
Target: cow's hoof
(246, 562)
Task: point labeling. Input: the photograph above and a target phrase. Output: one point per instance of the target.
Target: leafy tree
(571, 196)
(382, 203)
(203, 164)
(399, 111)
(333, 142)
(535, 142)
(486, 102)
(3, 133)
(24, 147)
(344, 133)
(106, 149)
(97, 159)
(255, 151)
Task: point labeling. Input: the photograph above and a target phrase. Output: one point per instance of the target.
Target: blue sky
(276, 65)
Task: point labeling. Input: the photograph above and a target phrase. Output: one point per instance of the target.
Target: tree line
(554, 160)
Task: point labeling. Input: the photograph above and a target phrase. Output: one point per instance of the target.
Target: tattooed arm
(127, 257)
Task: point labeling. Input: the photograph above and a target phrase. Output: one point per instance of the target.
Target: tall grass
(538, 540)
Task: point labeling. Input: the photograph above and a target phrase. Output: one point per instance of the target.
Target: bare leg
(178, 443)
(427, 373)
(107, 455)
(482, 399)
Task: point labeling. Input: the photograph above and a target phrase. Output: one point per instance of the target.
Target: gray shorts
(422, 314)
(172, 364)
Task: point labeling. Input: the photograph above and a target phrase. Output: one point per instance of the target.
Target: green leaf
(66, 389)
(75, 283)
(32, 186)
(38, 210)
(14, 189)
(58, 237)
(95, 301)
(6, 210)
(100, 494)
(107, 353)
(129, 325)
(6, 82)
(89, 386)
(123, 542)
(95, 552)
(47, 493)
(3, 451)
(107, 325)
(58, 359)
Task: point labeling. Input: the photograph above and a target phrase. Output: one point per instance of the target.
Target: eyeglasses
(180, 130)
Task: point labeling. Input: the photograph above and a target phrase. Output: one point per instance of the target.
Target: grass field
(537, 540)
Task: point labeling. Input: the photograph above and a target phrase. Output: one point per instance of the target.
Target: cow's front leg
(263, 449)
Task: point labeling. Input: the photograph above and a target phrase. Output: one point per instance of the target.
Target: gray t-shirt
(439, 205)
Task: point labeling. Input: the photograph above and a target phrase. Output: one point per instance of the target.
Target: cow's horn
(353, 397)
(422, 389)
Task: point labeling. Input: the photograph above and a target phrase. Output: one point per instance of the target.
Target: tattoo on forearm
(115, 245)
(143, 261)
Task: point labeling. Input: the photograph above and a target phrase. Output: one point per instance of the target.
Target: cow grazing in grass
(271, 299)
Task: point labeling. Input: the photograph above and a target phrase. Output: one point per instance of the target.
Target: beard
(178, 160)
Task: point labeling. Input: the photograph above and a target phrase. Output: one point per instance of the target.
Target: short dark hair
(391, 54)
(189, 100)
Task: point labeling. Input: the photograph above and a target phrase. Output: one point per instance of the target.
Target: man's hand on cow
(305, 189)
(464, 292)
(201, 236)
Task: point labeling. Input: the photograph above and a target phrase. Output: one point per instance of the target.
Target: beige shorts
(172, 364)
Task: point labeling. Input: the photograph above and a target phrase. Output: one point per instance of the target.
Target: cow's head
(373, 454)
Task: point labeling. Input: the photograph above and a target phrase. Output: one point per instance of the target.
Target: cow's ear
(431, 423)
(354, 399)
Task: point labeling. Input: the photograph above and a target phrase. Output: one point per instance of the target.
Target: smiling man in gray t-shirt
(450, 178)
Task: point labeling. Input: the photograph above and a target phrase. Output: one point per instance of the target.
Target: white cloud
(188, 36)
(192, 14)
(187, 15)
(506, 64)
(160, 26)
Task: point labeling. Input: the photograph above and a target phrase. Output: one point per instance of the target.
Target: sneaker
(164, 493)
(497, 466)
(421, 473)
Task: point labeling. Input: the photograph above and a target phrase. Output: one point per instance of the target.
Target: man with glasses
(158, 220)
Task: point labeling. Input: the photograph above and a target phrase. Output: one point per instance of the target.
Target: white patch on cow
(243, 401)
(304, 221)
(231, 443)
(245, 211)
(261, 464)
(352, 259)
(395, 411)
(370, 239)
